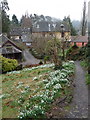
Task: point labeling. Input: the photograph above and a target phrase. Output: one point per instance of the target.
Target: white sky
(53, 8)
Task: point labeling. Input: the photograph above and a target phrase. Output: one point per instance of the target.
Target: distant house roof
(26, 38)
(44, 26)
(18, 31)
(79, 39)
(40, 26)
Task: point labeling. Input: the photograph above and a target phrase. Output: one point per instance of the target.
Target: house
(44, 28)
(80, 41)
(21, 34)
(9, 49)
(41, 28)
(26, 39)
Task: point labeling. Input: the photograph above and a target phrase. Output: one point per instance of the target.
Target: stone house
(46, 29)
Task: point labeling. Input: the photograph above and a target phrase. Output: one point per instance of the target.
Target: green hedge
(7, 64)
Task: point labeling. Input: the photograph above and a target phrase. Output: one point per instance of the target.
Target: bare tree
(53, 49)
(84, 21)
(26, 21)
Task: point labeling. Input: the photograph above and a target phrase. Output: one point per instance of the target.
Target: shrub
(8, 64)
(46, 58)
(40, 63)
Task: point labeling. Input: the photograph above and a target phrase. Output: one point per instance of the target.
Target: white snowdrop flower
(64, 80)
(23, 91)
(71, 61)
(57, 86)
(20, 83)
(35, 106)
(21, 113)
(42, 101)
(45, 80)
(27, 87)
(1, 96)
(40, 76)
(35, 78)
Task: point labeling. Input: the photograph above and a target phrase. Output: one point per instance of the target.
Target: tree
(5, 17)
(14, 20)
(84, 21)
(53, 49)
(39, 45)
(26, 22)
(68, 21)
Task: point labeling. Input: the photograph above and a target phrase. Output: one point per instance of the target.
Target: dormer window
(37, 26)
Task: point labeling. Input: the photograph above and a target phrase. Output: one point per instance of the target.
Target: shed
(9, 49)
(79, 40)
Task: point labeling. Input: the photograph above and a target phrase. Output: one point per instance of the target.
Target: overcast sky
(53, 8)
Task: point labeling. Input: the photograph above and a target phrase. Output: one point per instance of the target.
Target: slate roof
(3, 39)
(79, 39)
(13, 48)
(40, 26)
(44, 26)
(18, 31)
(26, 38)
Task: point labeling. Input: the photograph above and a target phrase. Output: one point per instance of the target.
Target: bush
(46, 58)
(37, 54)
(73, 53)
(8, 64)
(40, 63)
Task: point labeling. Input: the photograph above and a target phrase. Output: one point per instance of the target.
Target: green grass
(17, 95)
(85, 65)
(87, 79)
(9, 84)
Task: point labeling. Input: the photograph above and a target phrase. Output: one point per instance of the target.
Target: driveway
(29, 58)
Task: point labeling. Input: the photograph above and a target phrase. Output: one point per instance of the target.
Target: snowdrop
(14, 72)
(20, 84)
(52, 86)
(57, 86)
(35, 78)
(40, 76)
(27, 88)
(45, 81)
(23, 91)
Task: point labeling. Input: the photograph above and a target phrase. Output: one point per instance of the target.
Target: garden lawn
(30, 92)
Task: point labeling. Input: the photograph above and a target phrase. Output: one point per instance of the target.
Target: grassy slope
(13, 91)
(10, 82)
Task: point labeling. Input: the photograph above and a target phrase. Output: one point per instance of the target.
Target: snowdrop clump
(41, 66)
(35, 78)
(57, 86)
(20, 84)
(52, 85)
(30, 69)
(45, 81)
(14, 72)
(3, 96)
(27, 87)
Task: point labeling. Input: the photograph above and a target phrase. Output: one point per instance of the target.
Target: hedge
(7, 64)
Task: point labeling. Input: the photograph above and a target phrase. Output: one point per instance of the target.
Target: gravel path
(29, 58)
(79, 106)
